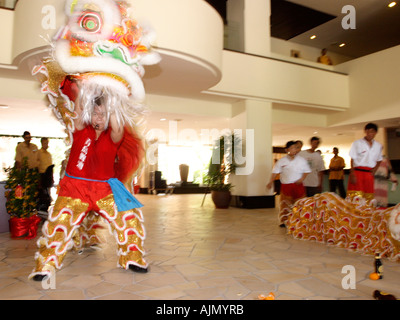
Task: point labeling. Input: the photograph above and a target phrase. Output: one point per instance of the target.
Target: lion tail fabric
(130, 155)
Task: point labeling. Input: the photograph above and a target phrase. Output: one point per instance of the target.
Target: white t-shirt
(316, 164)
(290, 169)
(364, 155)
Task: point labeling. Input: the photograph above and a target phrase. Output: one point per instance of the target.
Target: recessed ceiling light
(342, 45)
(313, 37)
(392, 4)
(163, 119)
(4, 106)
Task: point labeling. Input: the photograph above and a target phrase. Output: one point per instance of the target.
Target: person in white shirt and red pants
(366, 155)
(293, 169)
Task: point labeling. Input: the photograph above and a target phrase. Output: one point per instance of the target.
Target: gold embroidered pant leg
(58, 231)
(285, 207)
(128, 230)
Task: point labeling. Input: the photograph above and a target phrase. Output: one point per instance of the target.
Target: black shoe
(138, 269)
(282, 225)
(39, 277)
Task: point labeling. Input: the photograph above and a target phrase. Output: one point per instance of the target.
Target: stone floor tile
(295, 289)
(64, 295)
(18, 290)
(102, 289)
(167, 293)
(164, 279)
(122, 295)
(82, 281)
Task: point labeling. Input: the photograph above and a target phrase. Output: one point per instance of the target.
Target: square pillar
(253, 119)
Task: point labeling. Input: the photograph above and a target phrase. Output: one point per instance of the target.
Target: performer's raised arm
(78, 121)
(117, 131)
(70, 88)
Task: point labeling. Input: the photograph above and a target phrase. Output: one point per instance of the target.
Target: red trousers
(293, 190)
(290, 193)
(364, 184)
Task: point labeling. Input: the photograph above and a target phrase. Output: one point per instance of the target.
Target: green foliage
(28, 180)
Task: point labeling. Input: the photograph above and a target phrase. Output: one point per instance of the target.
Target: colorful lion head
(103, 52)
(101, 44)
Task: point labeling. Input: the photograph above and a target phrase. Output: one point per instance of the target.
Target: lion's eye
(91, 22)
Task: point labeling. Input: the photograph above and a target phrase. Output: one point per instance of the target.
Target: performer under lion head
(93, 82)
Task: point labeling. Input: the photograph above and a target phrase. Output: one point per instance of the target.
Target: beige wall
(23, 89)
(374, 87)
(44, 16)
(179, 28)
(188, 106)
(6, 35)
(255, 77)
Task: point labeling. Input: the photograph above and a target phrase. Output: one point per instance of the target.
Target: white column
(255, 118)
(257, 34)
(248, 28)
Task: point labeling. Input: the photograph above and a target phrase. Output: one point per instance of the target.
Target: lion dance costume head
(101, 51)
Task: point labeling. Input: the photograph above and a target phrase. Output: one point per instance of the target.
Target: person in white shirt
(293, 169)
(313, 182)
(366, 155)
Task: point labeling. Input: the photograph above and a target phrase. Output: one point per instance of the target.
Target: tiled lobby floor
(200, 253)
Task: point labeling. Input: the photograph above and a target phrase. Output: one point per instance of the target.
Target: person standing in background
(292, 169)
(366, 156)
(46, 175)
(336, 174)
(44, 158)
(299, 144)
(324, 58)
(313, 181)
(383, 175)
(27, 150)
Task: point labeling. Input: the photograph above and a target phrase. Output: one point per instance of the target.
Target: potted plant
(221, 166)
(22, 198)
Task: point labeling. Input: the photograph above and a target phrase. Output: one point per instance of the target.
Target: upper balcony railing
(8, 4)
